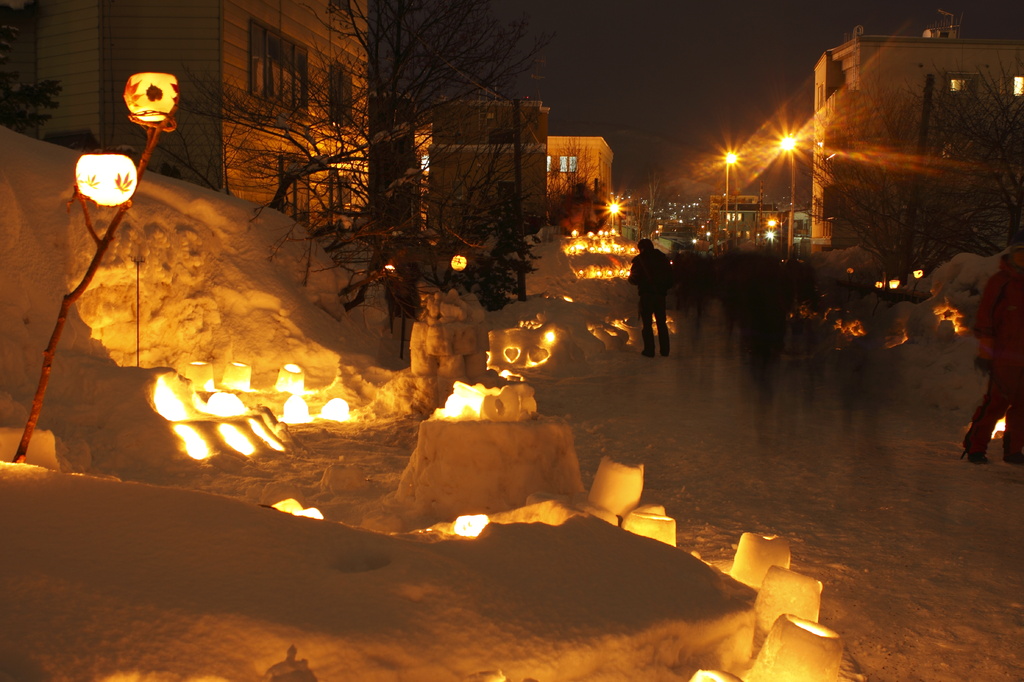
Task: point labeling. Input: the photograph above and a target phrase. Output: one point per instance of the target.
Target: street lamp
(614, 209)
(788, 145)
(730, 159)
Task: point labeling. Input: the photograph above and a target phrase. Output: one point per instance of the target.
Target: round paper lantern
(107, 179)
(459, 263)
(151, 97)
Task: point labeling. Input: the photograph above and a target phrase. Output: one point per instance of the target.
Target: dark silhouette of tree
(20, 102)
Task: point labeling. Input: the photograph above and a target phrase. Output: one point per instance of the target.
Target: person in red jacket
(999, 327)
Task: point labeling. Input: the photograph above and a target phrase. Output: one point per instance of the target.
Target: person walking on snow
(651, 272)
(999, 326)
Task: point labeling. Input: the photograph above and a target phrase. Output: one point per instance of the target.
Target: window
(278, 67)
(1018, 86)
(961, 82)
(567, 164)
(340, 95)
(339, 188)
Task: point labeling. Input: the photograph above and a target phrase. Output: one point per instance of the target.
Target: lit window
(1018, 86)
(957, 84)
(549, 164)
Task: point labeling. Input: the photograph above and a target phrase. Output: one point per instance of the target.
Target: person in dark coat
(651, 272)
(999, 327)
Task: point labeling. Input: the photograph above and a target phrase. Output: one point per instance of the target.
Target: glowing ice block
(291, 379)
(797, 650)
(755, 554)
(655, 526)
(714, 676)
(617, 487)
(784, 591)
(201, 375)
(237, 376)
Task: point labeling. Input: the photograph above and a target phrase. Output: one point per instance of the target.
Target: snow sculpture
(784, 591)
(481, 467)
(617, 487)
(448, 343)
(755, 554)
(655, 526)
(509, 403)
(797, 650)
(42, 449)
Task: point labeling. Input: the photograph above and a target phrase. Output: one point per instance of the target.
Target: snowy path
(921, 554)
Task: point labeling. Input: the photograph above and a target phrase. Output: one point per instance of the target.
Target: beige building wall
(93, 46)
(593, 163)
(876, 64)
(473, 142)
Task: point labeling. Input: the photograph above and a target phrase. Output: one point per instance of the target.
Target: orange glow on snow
(167, 403)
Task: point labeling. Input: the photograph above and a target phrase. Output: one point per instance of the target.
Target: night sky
(671, 83)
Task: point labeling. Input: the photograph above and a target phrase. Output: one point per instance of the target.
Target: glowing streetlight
(613, 209)
(788, 145)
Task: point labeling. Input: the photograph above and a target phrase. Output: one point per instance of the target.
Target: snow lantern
(470, 525)
(465, 402)
(294, 507)
(336, 409)
(798, 650)
(459, 263)
(784, 591)
(755, 554)
(223, 404)
(201, 375)
(107, 179)
(237, 376)
(617, 487)
(291, 379)
(296, 411)
(714, 676)
(151, 97)
(655, 526)
(166, 401)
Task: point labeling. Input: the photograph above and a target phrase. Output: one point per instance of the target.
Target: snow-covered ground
(155, 566)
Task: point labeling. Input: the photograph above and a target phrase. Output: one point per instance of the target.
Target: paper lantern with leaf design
(151, 97)
(107, 179)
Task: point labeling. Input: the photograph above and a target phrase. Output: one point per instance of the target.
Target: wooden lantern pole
(102, 244)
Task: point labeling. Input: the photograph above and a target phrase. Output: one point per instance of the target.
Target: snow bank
(220, 589)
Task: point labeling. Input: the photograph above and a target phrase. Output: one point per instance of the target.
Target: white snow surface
(127, 560)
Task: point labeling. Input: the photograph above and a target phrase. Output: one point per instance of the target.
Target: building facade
(871, 67)
(486, 151)
(270, 51)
